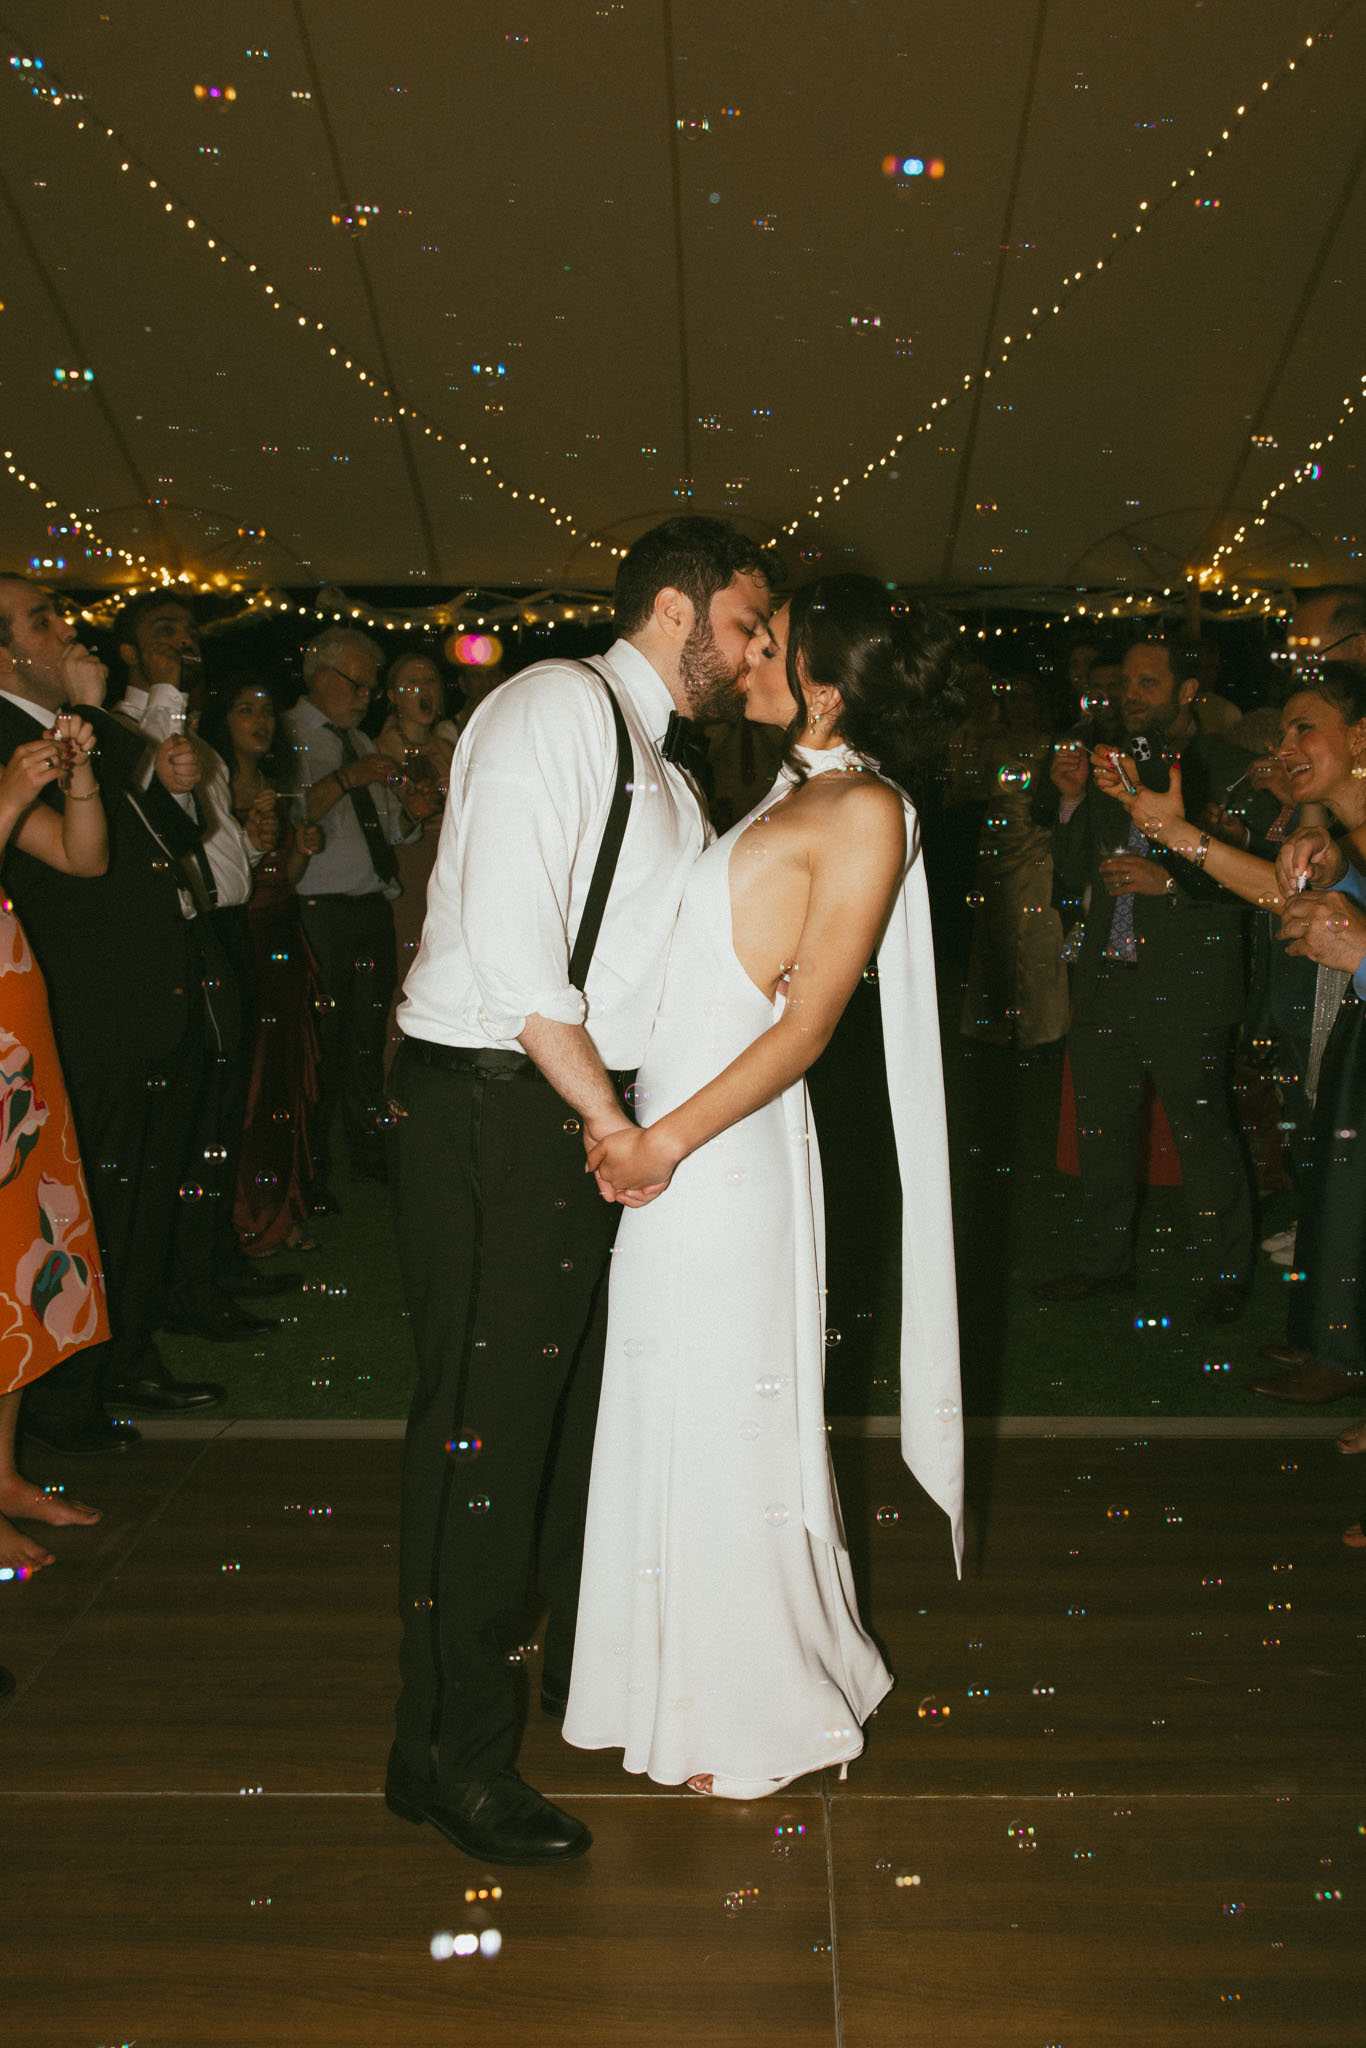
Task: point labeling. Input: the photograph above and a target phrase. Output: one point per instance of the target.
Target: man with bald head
(115, 954)
(350, 886)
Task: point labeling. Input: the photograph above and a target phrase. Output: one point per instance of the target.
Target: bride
(718, 1640)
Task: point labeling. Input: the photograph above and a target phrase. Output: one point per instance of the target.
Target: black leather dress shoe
(254, 1283)
(167, 1396)
(90, 1438)
(222, 1323)
(1081, 1286)
(495, 1820)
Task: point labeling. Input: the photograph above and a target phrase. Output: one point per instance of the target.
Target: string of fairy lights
(47, 87)
(1076, 280)
(50, 90)
(1307, 471)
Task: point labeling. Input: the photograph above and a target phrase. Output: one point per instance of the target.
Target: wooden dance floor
(1116, 1797)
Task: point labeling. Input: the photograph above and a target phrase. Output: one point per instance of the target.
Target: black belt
(488, 1060)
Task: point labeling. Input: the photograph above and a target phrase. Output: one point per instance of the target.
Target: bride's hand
(632, 1166)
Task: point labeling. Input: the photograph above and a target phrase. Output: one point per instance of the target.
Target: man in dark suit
(1158, 988)
(116, 958)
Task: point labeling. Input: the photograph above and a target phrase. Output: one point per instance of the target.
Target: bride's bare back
(810, 882)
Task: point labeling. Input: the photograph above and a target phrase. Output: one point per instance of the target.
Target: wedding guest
(158, 642)
(274, 1171)
(419, 738)
(1017, 983)
(365, 809)
(132, 1061)
(49, 1259)
(1158, 988)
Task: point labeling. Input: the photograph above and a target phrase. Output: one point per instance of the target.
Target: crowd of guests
(216, 892)
(1167, 886)
(220, 884)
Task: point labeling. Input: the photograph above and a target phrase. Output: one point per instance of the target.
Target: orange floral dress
(51, 1281)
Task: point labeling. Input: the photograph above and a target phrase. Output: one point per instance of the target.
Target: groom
(506, 1071)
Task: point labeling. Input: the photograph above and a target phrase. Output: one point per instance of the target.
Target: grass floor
(343, 1349)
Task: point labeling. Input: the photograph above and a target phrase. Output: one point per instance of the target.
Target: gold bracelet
(72, 797)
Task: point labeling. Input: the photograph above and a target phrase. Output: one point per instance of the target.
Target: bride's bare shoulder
(854, 795)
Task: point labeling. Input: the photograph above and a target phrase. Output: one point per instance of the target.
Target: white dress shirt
(531, 787)
(344, 866)
(159, 712)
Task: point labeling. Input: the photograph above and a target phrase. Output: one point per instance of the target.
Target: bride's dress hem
(722, 1787)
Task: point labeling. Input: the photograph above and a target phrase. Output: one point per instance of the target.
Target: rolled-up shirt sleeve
(535, 779)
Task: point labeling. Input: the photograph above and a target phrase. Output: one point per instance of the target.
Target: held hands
(631, 1166)
(1328, 928)
(1309, 859)
(177, 764)
(309, 839)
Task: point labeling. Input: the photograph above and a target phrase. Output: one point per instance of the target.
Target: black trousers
(204, 1247)
(135, 1124)
(1328, 1306)
(1111, 1045)
(504, 1245)
(353, 941)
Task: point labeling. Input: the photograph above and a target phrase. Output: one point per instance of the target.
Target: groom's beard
(713, 689)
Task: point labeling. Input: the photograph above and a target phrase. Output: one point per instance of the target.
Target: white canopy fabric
(306, 291)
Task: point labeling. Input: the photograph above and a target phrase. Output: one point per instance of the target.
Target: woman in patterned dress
(51, 1284)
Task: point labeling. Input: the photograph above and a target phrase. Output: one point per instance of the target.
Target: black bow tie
(685, 744)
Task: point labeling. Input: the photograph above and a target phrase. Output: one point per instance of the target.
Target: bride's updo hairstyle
(894, 663)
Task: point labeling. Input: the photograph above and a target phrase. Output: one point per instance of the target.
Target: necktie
(685, 745)
(1122, 943)
(376, 838)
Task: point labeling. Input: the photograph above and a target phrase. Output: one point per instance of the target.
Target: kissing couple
(606, 1030)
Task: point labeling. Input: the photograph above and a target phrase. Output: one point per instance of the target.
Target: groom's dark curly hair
(696, 555)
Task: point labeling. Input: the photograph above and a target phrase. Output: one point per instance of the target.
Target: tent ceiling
(536, 212)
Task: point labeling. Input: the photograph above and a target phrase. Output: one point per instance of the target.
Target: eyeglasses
(355, 681)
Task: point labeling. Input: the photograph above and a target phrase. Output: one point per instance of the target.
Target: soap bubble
(748, 1431)
(776, 1513)
(1022, 1837)
(947, 1410)
(464, 1449)
(737, 1177)
(832, 1338)
(640, 1347)
(647, 1571)
(887, 1516)
(479, 1504)
(769, 1387)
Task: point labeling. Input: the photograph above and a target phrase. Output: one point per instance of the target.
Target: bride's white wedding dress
(718, 1631)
